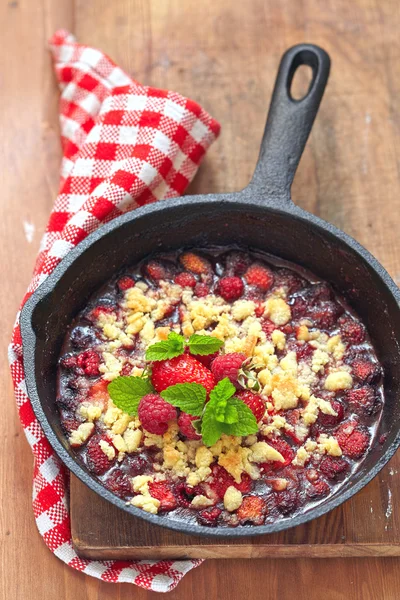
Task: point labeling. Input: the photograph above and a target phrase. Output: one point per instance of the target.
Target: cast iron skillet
(260, 216)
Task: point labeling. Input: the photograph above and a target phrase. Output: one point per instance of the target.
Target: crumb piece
(108, 450)
(262, 452)
(232, 499)
(147, 503)
(81, 435)
(201, 501)
(340, 380)
(278, 311)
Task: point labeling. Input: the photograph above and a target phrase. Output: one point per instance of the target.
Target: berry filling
(222, 386)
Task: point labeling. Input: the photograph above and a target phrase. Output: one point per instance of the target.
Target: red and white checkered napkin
(124, 145)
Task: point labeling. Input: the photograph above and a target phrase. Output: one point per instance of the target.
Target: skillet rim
(277, 205)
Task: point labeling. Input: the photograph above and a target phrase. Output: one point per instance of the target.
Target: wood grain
(224, 55)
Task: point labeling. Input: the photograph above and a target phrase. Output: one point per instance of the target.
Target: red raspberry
(268, 327)
(352, 439)
(97, 461)
(209, 516)
(161, 490)
(362, 398)
(125, 283)
(252, 509)
(195, 263)
(89, 362)
(365, 370)
(68, 361)
(228, 365)
(237, 263)
(186, 427)
(287, 501)
(83, 337)
(184, 493)
(119, 484)
(289, 280)
(331, 467)
(186, 280)
(284, 449)
(154, 414)
(299, 308)
(318, 489)
(352, 331)
(259, 310)
(254, 402)
(181, 369)
(260, 276)
(157, 270)
(230, 288)
(201, 290)
(137, 464)
(331, 420)
(304, 351)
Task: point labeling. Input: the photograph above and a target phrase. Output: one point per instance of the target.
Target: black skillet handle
(289, 122)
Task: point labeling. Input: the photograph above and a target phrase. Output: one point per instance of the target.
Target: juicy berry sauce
(320, 448)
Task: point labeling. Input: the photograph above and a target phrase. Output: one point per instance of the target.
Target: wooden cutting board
(366, 525)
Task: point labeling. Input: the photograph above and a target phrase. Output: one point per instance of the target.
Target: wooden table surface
(223, 54)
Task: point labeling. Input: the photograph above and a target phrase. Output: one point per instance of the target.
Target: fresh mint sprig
(189, 397)
(174, 346)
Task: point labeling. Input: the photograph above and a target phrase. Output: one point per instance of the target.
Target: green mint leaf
(246, 423)
(173, 346)
(231, 414)
(189, 397)
(222, 391)
(211, 429)
(204, 344)
(197, 425)
(127, 392)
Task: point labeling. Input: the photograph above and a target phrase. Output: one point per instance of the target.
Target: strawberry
(195, 263)
(185, 279)
(260, 276)
(366, 371)
(95, 313)
(97, 461)
(246, 484)
(284, 449)
(125, 283)
(318, 489)
(186, 428)
(332, 420)
(209, 516)
(181, 369)
(228, 365)
(363, 398)
(331, 466)
(161, 490)
(206, 359)
(352, 331)
(98, 392)
(252, 509)
(325, 314)
(119, 484)
(154, 414)
(230, 288)
(137, 464)
(352, 439)
(70, 424)
(220, 481)
(201, 290)
(254, 402)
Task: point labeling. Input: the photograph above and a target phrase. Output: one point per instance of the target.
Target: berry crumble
(223, 386)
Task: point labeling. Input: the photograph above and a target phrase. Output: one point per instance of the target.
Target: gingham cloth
(124, 145)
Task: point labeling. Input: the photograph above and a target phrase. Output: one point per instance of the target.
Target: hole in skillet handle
(304, 68)
(288, 125)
